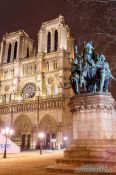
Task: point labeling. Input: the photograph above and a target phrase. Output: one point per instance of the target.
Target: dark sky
(84, 18)
(88, 19)
(29, 14)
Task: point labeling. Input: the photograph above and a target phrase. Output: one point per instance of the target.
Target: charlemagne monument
(93, 149)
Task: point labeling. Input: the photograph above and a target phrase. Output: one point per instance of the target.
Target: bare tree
(95, 17)
(95, 20)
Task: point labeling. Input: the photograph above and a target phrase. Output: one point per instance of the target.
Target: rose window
(29, 90)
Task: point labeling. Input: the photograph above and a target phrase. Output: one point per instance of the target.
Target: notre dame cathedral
(33, 95)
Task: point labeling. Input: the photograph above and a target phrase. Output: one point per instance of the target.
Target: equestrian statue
(90, 72)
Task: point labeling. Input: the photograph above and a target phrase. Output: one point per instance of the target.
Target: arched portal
(15, 50)
(49, 42)
(55, 40)
(23, 130)
(48, 125)
(9, 53)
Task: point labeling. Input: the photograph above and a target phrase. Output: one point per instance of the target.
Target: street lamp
(41, 137)
(65, 141)
(6, 132)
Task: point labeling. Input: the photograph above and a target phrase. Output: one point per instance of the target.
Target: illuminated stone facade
(32, 93)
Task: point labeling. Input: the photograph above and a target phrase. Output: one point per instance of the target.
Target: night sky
(88, 20)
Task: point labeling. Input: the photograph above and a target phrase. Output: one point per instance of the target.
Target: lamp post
(65, 141)
(6, 132)
(41, 137)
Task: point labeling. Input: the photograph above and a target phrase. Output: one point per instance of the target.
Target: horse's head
(88, 47)
(75, 61)
(102, 58)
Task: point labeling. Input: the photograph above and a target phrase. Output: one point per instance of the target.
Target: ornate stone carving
(50, 81)
(46, 104)
(85, 108)
(7, 88)
(29, 90)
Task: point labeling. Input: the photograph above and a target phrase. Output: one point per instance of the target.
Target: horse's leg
(94, 87)
(102, 80)
(106, 83)
(76, 85)
(85, 84)
(81, 82)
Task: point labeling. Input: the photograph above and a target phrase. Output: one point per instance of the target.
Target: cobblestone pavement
(32, 163)
(28, 163)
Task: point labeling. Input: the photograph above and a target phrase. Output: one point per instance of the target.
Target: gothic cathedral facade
(33, 93)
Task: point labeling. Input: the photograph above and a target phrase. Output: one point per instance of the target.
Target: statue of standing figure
(104, 72)
(75, 72)
(90, 72)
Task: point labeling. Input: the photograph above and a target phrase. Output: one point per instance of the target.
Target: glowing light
(41, 135)
(65, 138)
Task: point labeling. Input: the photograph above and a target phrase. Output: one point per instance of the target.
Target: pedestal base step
(98, 168)
(88, 169)
(82, 166)
(79, 161)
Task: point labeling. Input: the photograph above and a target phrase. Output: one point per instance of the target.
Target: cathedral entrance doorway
(48, 125)
(23, 130)
(25, 141)
(50, 141)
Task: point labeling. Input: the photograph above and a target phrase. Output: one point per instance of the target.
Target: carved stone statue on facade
(90, 71)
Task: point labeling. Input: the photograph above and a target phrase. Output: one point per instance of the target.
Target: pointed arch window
(55, 40)
(15, 50)
(28, 52)
(49, 42)
(9, 53)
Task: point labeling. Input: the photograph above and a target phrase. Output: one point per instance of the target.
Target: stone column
(59, 38)
(12, 52)
(18, 48)
(52, 40)
(59, 139)
(44, 41)
(34, 140)
(40, 41)
(22, 47)
(6, 53)
(2, 51)
(59, 135)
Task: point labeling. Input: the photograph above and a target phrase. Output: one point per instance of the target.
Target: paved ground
(28, 163)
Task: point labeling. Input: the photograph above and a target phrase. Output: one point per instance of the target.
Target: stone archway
(48, 125)
(23, 130)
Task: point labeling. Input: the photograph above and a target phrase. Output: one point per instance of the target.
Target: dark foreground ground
(28, 163)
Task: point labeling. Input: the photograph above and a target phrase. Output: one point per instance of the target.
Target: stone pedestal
(94, 135)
